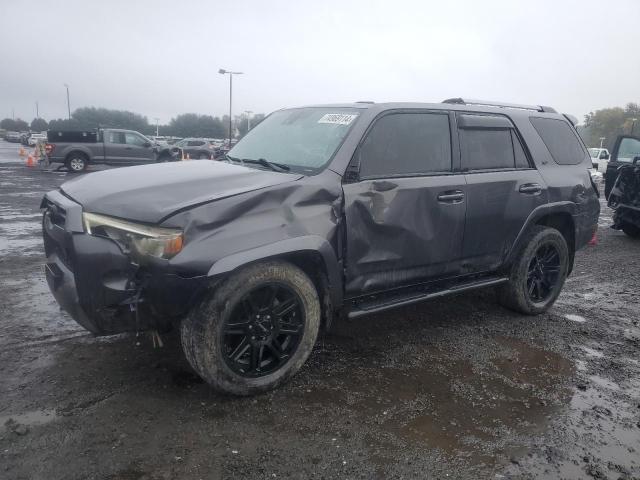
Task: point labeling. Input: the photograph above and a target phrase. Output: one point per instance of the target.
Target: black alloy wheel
(263, 331)
(543, 273)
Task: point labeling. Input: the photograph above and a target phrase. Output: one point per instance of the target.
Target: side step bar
(408, 300)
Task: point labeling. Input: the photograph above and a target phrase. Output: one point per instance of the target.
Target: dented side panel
(399, 233)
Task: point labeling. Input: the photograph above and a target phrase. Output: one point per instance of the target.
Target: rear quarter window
(560, 139)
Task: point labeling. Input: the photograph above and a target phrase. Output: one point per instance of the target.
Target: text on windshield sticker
(337, 118)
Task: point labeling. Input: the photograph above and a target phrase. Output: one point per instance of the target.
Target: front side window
(560, 139)
(628, 150)
(303, 139)
(195, 143)
(402, 144)
(133, 139)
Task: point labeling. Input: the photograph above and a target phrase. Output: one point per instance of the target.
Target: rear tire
(538, 272)
(77, 162)
(237, 337)
(631, 230)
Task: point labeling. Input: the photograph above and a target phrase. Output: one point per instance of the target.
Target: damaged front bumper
(98, 285)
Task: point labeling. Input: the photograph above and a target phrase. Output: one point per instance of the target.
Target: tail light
(49, 148)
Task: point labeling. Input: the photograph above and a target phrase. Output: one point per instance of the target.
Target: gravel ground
(453, 388)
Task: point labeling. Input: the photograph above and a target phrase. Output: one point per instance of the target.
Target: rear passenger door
(115, 148)
(502, 188)
(404, 203)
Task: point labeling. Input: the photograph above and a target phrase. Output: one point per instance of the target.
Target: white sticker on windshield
(338, 118)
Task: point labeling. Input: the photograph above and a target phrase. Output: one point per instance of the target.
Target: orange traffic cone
(188, 157)
(22, 152)
(30, 162)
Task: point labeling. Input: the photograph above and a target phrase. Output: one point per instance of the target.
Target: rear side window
(486, 149)
(560, 139)
(406, 144)
(115, 137)
(195, 143)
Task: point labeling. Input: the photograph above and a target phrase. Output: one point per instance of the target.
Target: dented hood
(150, 193)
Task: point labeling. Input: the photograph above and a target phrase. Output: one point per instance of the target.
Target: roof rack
(486, 103)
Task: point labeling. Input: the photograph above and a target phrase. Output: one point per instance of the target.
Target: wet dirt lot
(453, 388)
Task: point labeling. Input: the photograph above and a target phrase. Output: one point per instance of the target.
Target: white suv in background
(599, 156)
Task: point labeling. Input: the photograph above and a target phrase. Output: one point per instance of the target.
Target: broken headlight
(134, 238)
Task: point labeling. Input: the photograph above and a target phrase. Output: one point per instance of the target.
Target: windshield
(181, 143)
(303, 139)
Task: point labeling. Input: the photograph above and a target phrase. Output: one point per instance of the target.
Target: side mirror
(146, 144)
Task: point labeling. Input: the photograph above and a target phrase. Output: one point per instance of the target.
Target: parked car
(77, 149)
(196, 148)
(624, 192)
(13, 137)
(34, 138)
(599, 158)
(319, 213)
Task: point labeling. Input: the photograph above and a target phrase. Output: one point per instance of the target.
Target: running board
(358, 311)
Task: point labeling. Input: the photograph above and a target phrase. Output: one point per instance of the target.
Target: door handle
(451, 196)
(530, 188)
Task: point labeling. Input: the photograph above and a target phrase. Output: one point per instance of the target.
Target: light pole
(68, 104)
(222, 71)
(248, 112)
(156, 119)
(601, 140)
(633, 124)
(37, 110)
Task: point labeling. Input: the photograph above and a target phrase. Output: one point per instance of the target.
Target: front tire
(77, 162)
(255, 330)
(538, 273)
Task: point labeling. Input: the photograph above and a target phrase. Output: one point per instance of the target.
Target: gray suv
(318, 213)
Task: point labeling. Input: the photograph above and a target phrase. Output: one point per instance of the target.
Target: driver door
(405, 211)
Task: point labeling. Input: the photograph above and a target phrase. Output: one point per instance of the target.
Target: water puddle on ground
(29, 419)
(465, 409)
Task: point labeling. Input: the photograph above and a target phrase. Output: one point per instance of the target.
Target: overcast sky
(161, 58)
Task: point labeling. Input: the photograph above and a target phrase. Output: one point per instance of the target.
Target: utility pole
(248, 112)
(602, 140)
(13, 113)
(633, 124)
(68, 104)
(37, 111)
(222, 71)
(157, 119)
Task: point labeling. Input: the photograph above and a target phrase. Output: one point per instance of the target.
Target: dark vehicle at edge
(622, 187)
(318, 213)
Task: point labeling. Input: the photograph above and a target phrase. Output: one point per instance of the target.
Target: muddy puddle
(462, 409)
(27, 419)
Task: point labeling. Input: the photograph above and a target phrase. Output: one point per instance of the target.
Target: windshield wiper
(276, 167)
(233, 159)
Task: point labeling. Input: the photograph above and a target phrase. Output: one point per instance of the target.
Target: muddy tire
(538, 272)
(253, 332)
(77, 162)
(631, 230)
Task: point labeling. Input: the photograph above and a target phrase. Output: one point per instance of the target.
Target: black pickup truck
(77, 149)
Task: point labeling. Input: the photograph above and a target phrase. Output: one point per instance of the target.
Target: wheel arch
(312, 254)
(559, 216)
(74, 151)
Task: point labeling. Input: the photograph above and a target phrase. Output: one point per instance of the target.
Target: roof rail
(486, 103)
